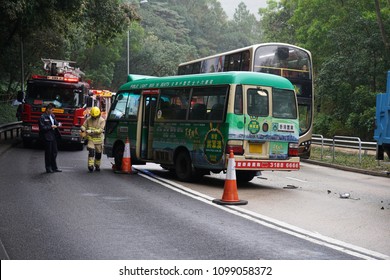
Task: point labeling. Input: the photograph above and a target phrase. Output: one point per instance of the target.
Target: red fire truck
(62, 86)
(101, 99)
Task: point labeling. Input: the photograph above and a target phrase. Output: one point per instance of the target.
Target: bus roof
(209, 79)
(254, 47)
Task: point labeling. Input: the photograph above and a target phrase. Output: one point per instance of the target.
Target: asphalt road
(79, 215)
(310, 201)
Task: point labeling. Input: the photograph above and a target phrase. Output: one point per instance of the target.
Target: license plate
(55, 111)
(255, 148)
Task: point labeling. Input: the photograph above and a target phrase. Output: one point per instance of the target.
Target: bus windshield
(283, 61)
(125, 106)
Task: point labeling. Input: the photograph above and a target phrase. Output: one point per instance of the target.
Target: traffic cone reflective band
(230, 194)
(126, 160)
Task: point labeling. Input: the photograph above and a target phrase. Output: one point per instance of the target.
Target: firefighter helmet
(95, 112)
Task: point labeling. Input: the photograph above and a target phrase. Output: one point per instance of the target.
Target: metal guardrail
(10, 130)
(344, 142)
(14, 130)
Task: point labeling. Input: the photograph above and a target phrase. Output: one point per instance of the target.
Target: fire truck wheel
(27, 143)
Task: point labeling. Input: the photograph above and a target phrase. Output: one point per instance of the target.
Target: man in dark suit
(48, 128)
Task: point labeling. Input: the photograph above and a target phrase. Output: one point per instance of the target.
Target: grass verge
(350, 158)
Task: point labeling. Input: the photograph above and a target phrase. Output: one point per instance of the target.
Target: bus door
(148, 109)
(256, 121)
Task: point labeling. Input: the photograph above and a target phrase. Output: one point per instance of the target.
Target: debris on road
(290, 187)
(345, 195)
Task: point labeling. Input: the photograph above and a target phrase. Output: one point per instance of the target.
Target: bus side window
(214, 99)
(195, 68)
(216, 112)
(245, 61)
(198, 112)
(164, 109)
(257, 103)
(238, 102)
(178, 103)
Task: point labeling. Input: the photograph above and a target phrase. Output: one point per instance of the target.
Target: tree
(55, 29)
(274, 22)
(349, 55)
(242, 31)
(381, 25)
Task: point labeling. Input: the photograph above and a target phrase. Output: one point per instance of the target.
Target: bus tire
(244, 176)
(183, 167)
(118, 155)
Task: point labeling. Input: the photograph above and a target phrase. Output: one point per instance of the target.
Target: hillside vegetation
(349, 40)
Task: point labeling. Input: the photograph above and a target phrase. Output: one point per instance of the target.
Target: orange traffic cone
(230, 195)
(126, 160)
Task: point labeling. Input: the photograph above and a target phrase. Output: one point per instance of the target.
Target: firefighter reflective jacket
(96, 128)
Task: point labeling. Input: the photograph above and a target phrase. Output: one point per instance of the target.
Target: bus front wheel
(118, 155)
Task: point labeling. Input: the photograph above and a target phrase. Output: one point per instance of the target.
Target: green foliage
(57, 29)
(349, 55)
(7, 113)
(350, 51)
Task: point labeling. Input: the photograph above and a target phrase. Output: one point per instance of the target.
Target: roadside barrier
(10, 130)
(345, 142)
(230, 194)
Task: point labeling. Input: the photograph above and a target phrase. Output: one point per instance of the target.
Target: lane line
(3, 252)
(313, 237)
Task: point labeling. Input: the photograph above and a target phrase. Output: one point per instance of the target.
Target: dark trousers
(51, 151)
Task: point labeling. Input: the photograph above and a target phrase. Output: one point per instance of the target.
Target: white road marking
(269, 222)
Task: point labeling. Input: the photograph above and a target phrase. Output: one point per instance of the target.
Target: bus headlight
(26, 128)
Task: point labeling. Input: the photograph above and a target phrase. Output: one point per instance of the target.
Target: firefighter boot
(98, 157)
(91, 159)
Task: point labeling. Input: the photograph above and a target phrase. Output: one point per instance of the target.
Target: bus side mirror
(20, 96)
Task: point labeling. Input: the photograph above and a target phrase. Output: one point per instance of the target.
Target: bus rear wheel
(244, 176)
(183, 167)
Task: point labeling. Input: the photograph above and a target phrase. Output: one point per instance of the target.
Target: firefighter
(94, 127)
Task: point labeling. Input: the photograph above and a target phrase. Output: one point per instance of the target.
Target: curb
(385, 174)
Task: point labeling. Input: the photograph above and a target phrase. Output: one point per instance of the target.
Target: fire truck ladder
(57, 67)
